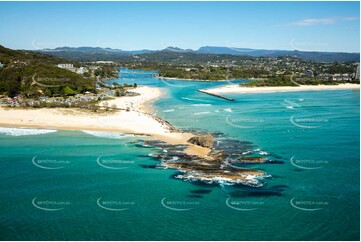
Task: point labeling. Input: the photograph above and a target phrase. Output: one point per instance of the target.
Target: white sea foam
(250, 180)
(109, 135)
(289, 107)
(250, 177)
(261, 152)
(24, 131)
(201, 105)
(195, 99)
(168, 111)
(201, 113)
(247, 152)
(228, 110)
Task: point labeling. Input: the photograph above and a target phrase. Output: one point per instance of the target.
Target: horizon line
(184, 49)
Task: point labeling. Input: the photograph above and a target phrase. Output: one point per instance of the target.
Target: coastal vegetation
(199, 72)
(258, 75)
(266, 70)
(106, 71)
(202, 65)
(285, 80)
(32, 74)
(217, 63)
(271, 82)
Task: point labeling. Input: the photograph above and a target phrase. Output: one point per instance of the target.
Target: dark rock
(201, 191)
(265, 193)
(215, 168)
(252, 160)
(195, 196)
(148, 166)
(204, 140)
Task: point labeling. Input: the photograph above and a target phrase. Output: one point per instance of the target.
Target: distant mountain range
(305, 55)
(98, 53)
(97, 50)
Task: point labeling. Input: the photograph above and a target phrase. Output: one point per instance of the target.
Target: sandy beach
(136, 121)
(140, 103)
(240, 89)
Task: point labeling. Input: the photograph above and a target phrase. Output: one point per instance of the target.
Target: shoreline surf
(139, 120)
(241, 89)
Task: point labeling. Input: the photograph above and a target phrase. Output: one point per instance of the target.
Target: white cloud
(320, 21)
(350, 18)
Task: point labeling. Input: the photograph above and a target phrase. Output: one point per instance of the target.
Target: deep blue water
(62, 185)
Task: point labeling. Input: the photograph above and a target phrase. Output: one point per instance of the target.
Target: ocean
(82, 185)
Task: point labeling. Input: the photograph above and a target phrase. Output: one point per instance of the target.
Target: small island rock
(204, 140)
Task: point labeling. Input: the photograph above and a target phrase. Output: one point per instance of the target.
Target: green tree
(67, 91)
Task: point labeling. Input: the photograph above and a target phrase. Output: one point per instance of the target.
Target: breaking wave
(109, 135)
(202, 105)
(24, 131)
(168, 111)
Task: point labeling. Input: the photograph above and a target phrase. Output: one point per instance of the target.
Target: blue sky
(323, 26)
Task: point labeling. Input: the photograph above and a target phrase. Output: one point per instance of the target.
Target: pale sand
(240, 89)
(136, 121)
(137, 103)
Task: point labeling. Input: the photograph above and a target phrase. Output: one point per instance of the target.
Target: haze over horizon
(304, 26)
(168, 47)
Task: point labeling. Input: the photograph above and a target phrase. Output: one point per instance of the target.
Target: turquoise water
(99, 186)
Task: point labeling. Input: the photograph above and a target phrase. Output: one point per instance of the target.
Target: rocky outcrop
(165, 123)
(216, 155)
(251, 160)
(203, 140)
(209, 173)
(220, 166)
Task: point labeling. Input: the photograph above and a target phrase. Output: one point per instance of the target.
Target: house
(81, 70)
(341, 77)
(66, 66)
(69, 67)
(326, 76)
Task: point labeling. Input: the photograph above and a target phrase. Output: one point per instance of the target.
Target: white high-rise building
(66, 66)
(69, 67)
(357, 77)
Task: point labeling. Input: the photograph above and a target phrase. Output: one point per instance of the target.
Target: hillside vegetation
(32, 74)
